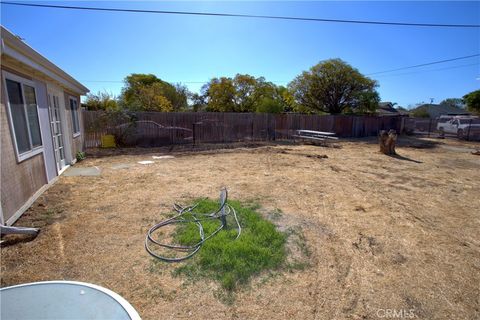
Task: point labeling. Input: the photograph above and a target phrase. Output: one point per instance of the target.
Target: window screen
(32, 113)
(74, 109)
(24, 114)
(17, 111)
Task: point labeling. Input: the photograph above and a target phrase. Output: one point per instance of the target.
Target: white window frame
(36, 150)
(75, 134)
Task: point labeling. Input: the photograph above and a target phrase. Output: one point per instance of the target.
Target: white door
(57, 131)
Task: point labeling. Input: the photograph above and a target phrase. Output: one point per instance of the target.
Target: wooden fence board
(164, 128)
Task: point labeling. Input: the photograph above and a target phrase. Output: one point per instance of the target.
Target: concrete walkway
(86, 172)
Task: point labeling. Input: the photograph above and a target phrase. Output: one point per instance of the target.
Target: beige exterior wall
(19, 181)
(24, 178)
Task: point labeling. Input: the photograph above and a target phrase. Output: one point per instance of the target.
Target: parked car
(461, 126)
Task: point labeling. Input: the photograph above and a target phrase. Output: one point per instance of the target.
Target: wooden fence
(164, 128)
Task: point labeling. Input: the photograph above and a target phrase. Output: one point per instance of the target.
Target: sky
(101, 48)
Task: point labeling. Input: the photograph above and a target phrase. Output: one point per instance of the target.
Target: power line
(211, 14)
(182, 82)
(425, 64)
(283, 81)
(280, 82)
(422, 71)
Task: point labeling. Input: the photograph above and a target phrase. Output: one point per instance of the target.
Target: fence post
(469, 126)
(274, 127)
(353, 132)
(224, 125)
(193, 132)
(252, 119)
(429, 127)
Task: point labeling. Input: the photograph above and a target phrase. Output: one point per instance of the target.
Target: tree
(151, 98)
(246, 87)
(420, 112)
(401, 109)
(288, 101)
(269, 105)
(220, 95)
(366, 102)
(453, 102)
(146, 92)
(331, 86)
(199, 102)
(243, 93)
(101, 101)
(472, 101)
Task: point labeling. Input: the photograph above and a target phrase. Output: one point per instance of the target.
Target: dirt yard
(385, 233)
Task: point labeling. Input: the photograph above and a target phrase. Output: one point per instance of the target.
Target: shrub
(101, 101)
(120, 123)
(80, 156)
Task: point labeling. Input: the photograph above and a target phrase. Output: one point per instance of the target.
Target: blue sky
(101, 48)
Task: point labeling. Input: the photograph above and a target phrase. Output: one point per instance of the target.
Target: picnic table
(314, 135)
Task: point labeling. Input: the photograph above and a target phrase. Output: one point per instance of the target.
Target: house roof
(436, 110)
(14, 47)
(387, 109)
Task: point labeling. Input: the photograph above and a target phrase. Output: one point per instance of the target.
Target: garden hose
(221, 213)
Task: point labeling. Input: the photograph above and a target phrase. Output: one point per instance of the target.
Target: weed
(296, 265)
(80, 156)
(298, 250)
(232, 262)
(276, 214)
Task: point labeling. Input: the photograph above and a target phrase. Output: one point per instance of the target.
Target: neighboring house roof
(436, 110)
(387, 109)
(13, 47)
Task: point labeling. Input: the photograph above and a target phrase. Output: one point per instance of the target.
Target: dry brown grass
(384, 232)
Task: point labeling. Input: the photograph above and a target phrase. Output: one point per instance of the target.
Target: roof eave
(17, 49)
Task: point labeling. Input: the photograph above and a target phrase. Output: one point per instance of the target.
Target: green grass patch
(232, 262)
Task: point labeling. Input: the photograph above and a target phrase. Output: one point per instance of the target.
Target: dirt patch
(371, 232)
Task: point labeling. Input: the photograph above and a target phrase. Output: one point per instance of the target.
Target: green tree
(367, 102)
(269, 105)
(198, 102)
(401, 109)
(420, 112)
(331, 86)
(101, 101)
(151, 98)
(220, 93)
(288, 101)
(144, 92)
(472, 101)
(245, 92)
(453, 102)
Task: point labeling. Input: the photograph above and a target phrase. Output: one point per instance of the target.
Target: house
(387, 109)
(434, 111)
(40, 124)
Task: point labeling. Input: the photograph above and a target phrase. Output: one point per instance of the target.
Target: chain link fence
(464, 128)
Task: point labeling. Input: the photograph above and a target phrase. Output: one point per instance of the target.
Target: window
(22, 104)
(74, 111)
